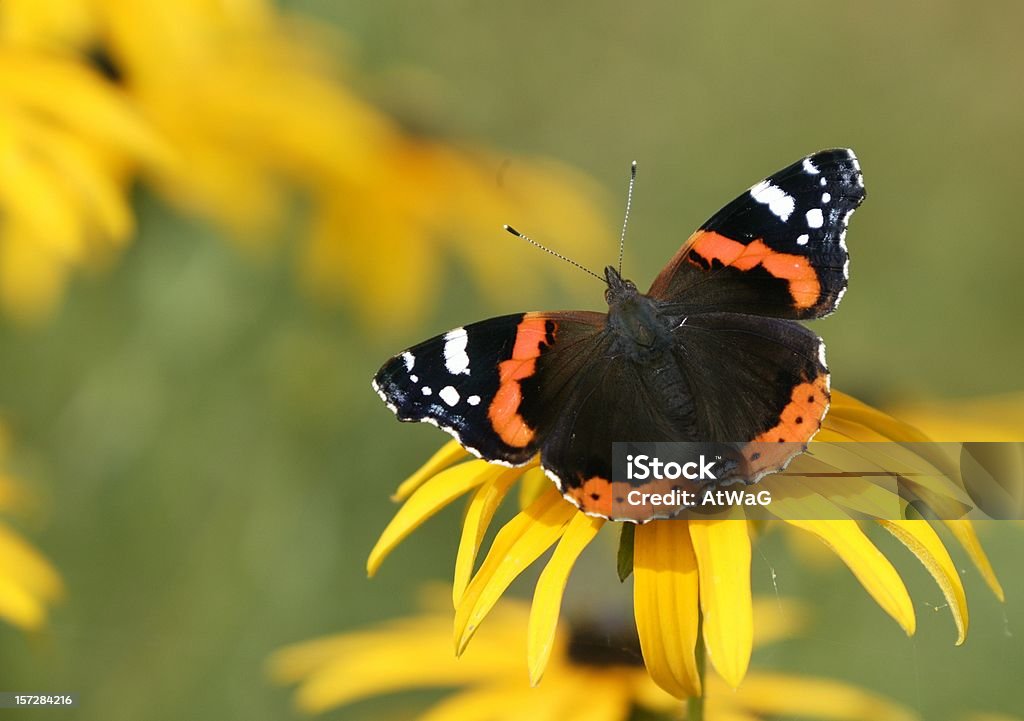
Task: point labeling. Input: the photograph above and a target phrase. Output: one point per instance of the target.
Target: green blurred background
(218, 467)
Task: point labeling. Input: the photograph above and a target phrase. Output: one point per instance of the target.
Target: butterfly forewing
(778, 249)
(495, 384)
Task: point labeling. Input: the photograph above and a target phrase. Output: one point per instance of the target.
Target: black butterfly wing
(618, 399)
(759, 384)
(777, 250)
(760, 381)
(495, 385)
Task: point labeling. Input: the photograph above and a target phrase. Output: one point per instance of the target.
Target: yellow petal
(19, 607)
(922, 540)
(533, 483)
(850, 409)
(31, 279)
(346, 667)
(27, 582)
(83, 168)
(375, 671)
(38, 202)
(26, 567)
(781, 695)
(985, 419)
(478, 517)
(518, 544)
(442, 489)
(479, 704)
(722, 548)
(666, 606)
(597, 696)
(547, 596)
(449, 453)
(965, 533)
(871, 497)
(868, 564)
(80, 99)
(713, 712)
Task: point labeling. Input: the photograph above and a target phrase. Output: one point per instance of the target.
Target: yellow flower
(592, 674)
(691, 577)
(997, 418)
(66, 139)
(28, 583)
(991, 431)
(255, 110)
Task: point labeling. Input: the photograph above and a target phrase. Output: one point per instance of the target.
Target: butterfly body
(635, 321)
(712, 352)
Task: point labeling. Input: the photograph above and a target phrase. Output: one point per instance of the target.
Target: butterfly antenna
(533, 242)
(625, 221)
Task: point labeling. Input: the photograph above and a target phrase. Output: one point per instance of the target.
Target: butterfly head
(618, 289)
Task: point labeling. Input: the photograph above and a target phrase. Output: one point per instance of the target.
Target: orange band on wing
(593, 495)
(804, 286)
(611, 500)
(531, 338)
(798, 422)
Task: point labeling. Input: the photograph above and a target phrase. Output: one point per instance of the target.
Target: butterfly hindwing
(773, 393)
(482, 383)
(777, 250)
(768, 400)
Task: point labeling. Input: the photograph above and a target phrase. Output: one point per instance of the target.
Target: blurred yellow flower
(981, 419)
(28, 583)
(691, 577)
(592, 674)
(991, 430)
(66, 139)
(255, 110)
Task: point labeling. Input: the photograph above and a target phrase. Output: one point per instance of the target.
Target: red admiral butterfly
(712, 352)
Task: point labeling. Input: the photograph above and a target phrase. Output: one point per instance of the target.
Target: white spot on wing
(410, 360)
(414, 378)
(821, 355)
(778, 201)
(447, 429)
(449, 395)
(383, 396)
(456, 360)
(810, 167)
(802, 240)
(426, 390)
(826, 197)
(823, 182)
(814, 218)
